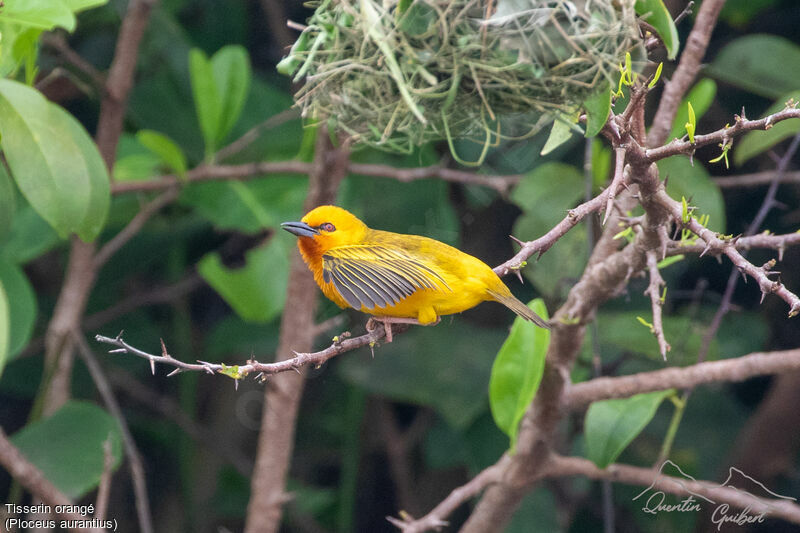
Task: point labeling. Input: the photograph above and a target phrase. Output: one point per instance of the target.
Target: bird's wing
(377, 276)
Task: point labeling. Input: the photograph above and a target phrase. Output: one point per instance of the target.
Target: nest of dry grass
(399, 73)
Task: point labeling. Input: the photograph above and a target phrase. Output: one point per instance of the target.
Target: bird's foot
(387, 322)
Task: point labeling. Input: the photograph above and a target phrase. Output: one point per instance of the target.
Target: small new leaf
(656, 76)
(691, 125)
(645, 323)
(684, 210)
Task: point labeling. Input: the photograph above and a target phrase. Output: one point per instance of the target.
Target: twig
(766, 206)
(654, 291)
(616, 182)
(254, 133)
(756, 179)
(134, 226)
(763, 240)
(141, 497)
(686, 72)
(685, 13)
(543, 243)
(203, 173)
(120, 78)
(435, 519)
(656, 480)
(59, 43)
(729, 370)
(240, 371)
(742, 124)
(104, 488)
(34, 481)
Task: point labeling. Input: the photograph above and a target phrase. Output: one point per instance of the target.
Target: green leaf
(22, 306)
(99, 188)
(754, 143)
(54, 161)
(559, 134)
(30, 237)
(701, 96)
(694, 183)
(5, 328)
(231, 70)
(432, 366)
(655, 13)
(611, 425)
(206, 99)
(517, 372)
(256, 291)
(43, 14)
(598, 108)
(766, 65)
(417, 19)
(68, 446)
(165, 148)
(7, 202)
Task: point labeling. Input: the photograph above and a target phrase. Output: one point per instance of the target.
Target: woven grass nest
(398, 73)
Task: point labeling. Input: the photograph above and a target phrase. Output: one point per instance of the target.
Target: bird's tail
(518, 307)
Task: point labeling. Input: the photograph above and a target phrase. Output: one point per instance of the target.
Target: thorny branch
(654, 292)
(340, 345)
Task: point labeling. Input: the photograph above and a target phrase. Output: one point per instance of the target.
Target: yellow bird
(395, 278)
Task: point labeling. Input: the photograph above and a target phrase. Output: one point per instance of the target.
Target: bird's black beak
(301, 229)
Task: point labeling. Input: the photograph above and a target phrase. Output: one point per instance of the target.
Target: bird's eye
(327, 227)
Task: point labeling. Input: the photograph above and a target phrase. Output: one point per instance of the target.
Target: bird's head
(327, 227)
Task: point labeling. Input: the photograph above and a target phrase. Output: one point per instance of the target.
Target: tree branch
(722, 136)
(654, 291)
(687, 70)
(713, 493)
(435, 519)
(141, 497)
(251, 367)
(729, 370)
(203, 173)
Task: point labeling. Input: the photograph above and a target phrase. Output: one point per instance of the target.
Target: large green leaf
(256, 291)
(656, 14)
(22, 302)
(445, 367)
(206, 99)
(694, 183)
(43, 14)
(766, 65)
(517, 372)
(220, 87)
(54, 162)
(8, 202)
(5, 328)
(231, 69)
(99, 188)
(68, 446)
(611, 425)
(756, 142)
(701, 96)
